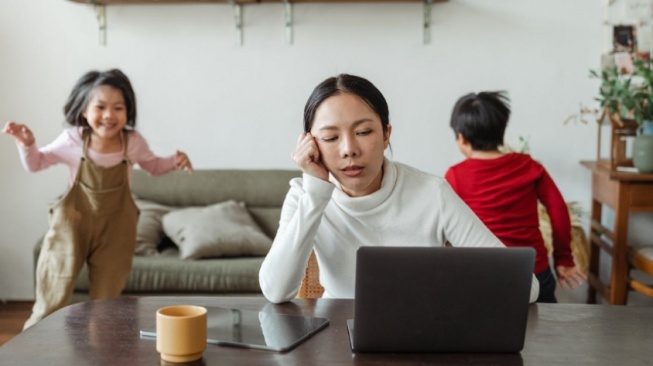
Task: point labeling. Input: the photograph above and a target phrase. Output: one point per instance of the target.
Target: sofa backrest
(263, 191)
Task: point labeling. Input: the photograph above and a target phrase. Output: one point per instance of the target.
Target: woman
(350, 196)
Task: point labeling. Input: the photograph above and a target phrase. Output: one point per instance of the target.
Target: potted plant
(628, 101)
(643, 96)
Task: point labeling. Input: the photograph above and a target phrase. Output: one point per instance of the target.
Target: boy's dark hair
(82, 91)
(481, 119)
(345, 83)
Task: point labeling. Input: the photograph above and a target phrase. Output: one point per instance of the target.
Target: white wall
(233, 106)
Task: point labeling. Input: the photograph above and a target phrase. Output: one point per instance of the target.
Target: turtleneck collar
(369, 202)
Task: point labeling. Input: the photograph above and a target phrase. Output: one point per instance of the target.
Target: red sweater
(503, 192)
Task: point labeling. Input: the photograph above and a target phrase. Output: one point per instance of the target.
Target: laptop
(443, 299)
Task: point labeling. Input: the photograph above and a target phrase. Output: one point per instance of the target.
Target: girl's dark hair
(482, 119)
(81, 95)
(345, 83)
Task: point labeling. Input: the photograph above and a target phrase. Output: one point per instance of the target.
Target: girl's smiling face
(351, 140)
(106, 112)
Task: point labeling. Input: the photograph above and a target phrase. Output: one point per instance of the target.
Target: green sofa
(262, 191)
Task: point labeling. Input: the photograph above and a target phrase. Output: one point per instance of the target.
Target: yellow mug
(181, 332)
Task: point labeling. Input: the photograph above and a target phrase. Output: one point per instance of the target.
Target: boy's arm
(568, 274)
(556, 207)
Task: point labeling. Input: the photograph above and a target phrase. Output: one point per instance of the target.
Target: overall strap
(86, 137)
(125, 138)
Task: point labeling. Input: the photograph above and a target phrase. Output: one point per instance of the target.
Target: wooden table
(106, 332)
(623, 192)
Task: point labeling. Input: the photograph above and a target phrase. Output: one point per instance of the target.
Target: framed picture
(624, 38)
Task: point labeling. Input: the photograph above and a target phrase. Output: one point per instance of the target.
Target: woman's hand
(21, 133)
(569, 277)
(307, 157)
(182, 162)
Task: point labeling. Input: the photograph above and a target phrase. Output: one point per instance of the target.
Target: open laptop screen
(426, 299)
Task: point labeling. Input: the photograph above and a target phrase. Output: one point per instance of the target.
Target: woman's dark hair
(344, 83)
(482, 119)
(82, 92)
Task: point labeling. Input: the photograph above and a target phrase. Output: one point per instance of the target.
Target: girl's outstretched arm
(20, 132)
(183, 162)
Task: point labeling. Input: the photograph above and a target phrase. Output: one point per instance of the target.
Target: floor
(13, 315)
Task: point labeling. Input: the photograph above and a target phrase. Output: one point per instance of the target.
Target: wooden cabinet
(623, 192)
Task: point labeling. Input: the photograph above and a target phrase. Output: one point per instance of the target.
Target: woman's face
(351, 140)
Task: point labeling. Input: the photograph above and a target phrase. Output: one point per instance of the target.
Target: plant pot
(643, 153)
(647, 128)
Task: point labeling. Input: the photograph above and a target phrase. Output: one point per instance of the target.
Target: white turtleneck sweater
(412, 208)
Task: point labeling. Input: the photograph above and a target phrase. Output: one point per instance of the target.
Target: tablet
(255, 329)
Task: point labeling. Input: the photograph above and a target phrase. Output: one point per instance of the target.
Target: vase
(646, 128)
(643, 148)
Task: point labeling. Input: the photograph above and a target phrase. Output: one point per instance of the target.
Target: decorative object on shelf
(643, 148)
(627, 104)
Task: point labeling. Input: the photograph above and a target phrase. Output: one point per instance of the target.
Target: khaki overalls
(95, 222)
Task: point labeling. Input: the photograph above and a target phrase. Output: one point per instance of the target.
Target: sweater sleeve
(139, 152)
(463, 228)
(283, 269)
(35, 159)
(558, 212)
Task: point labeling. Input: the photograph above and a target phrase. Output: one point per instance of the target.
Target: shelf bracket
(101, 15)
(238, 21)
(287, 12)
(427, 21)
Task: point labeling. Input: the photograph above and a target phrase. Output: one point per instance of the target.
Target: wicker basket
(580, 247)
(311, 288)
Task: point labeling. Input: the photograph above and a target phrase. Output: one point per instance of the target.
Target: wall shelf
(143, 2)
(100, 11)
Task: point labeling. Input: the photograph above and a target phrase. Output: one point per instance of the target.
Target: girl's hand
(21, 133)
(182, 162)
(569, 277)
(307, 157)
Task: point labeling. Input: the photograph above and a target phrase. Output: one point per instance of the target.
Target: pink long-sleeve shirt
(67, 149)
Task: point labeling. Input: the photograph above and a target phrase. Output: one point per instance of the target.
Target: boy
(503, 189)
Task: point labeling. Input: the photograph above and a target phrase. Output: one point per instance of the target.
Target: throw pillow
(149, 231)
(225, 229)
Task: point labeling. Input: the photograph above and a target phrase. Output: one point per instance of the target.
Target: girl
(350, 196)
(95, 221)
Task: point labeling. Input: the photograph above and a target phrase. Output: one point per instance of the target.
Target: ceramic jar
(643, 148)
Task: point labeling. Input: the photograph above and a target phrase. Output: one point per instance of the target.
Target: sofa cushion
(225, 229)
(149, 232)
(166, 274)
(263, 191)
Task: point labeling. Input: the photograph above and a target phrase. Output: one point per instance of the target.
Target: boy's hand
(570, 277)
(307, 157)
(182, 162)
(21, 133)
